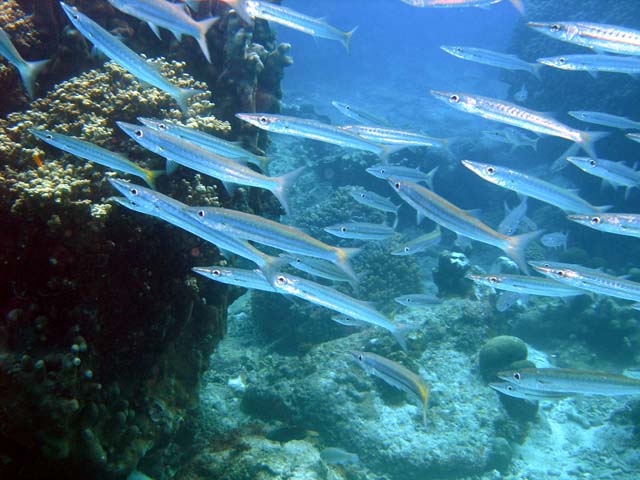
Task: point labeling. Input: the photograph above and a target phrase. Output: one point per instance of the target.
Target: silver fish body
(619, 223)
(417, 300)
(338, 456)
(28, 71)
(526, 285)
(252, 279)
(513, 137)
(593, 64)
(374, 200)
(359, 115)
(127, 58)
(555, 240)
(461, 3)
(361, 231)
(415, 175)
(491, 58)
(616, 173)
(395, 137)
(522, 393)
(635, 136)
(512, 219)
(419, 244)
(606, 119)
(319, 268)
(533, 187)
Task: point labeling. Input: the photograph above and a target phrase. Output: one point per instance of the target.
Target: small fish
(395, 375)
(533, 187)
(594, 64)
(415, 175)
(28, 71)
(570, 381)
(337, 301)
(619, 223)
(361, 231)
(172, 16)
(252, 279)
(512, 218)
(373, 200)
(606, 119)
(526, 285)
(94, 153)
(313, 130)
(555, 240)
(494, 59)
(359, 115)
(417, 300)
(127, 58)
(615, 173)
(442, 212)
(597, 36)
(521, 95)
(517, 116)
(396, 138)
(316, 27)
(506, 300)
(588, 279)
(531, 395)
(178, 151)
(419, 244)
(338, 456)
(462, 3)
(513, 137)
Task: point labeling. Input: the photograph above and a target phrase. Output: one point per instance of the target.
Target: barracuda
(28, 71)
(319, 268)
(94, 153)
(127, 58)
(415, 175)
(252, 279)
(606, 119)
(533, 187)
(462, 3)
(444, 213)
(334, 300)
(184, 153)
(615, 173)
(373, 200)
(395, 375)
(569, 381)
(361, 231)
(588, 279)
(518, 391)
(419, 244)
(593, 64)
(172, 16)
(417, 300)
(359, 115)
(512, 114)
(493, 59)
(398, 138)
(597, 36)
(526, 285)
(619, 223)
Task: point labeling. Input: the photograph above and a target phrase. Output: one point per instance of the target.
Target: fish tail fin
(587, 139)
(517, 246)
(29, 71)
(400, 332)
(534, 145)
(347, 38)
(431, 175)
(264, 163)
(343, 261)
(203, 28)
(271, 265)
(518, 5)
(183, 96)
(151, 176)
(285, 182)
(388, 150)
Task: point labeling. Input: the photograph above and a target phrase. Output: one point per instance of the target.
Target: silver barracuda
(347, 321)
(588, 279)
(419, 244)
(597, 36)
(530, 395)
(215, 144)
(606, 119)
(526, 285)
(415, 175)
(494, 59)
(373, 200)
(172, 16)
(512, 114)
(533, 187)
(94, 153)
(249, 10)
(570, 381)
(192, 156)
(395, 375)
(512, 219)
(252, 279)
(619, 223)
(361, 231)
(417, 300)
(313, 130)
(397, 138)
(444, 213)
(319, 268)
(334, 300)
(153, 203)
(358, 114)
(594, 64)
(28, 71)
(127, 58)
(277, 235)
(462, 3)
(615, 173)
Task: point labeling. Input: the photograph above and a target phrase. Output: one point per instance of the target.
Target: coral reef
(498, 353)
(449, 276)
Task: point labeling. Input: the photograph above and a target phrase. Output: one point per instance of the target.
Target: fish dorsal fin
(154, 28)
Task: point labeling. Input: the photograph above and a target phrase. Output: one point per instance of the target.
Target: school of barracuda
(236, 232)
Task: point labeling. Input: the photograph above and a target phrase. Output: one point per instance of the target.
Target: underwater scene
(330, 239)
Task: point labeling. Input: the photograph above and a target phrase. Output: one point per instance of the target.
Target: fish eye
(516, 375)
(493, 279)
(139, 133)
(263, 119)
(458, 49)
(76, 17)
(360, 357)
(560, 273)
(133, 191)
(592, 163)
(454, 99)
(362, 195)
(281, 280)
(201, 213)
(397, 185)
(162, 126)
(491, 170)
(562, 60)
(407, 249)
(49, 136)
(343, 229)
(216, 273)
(555, 27)
(595, 220)
(347, 107)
